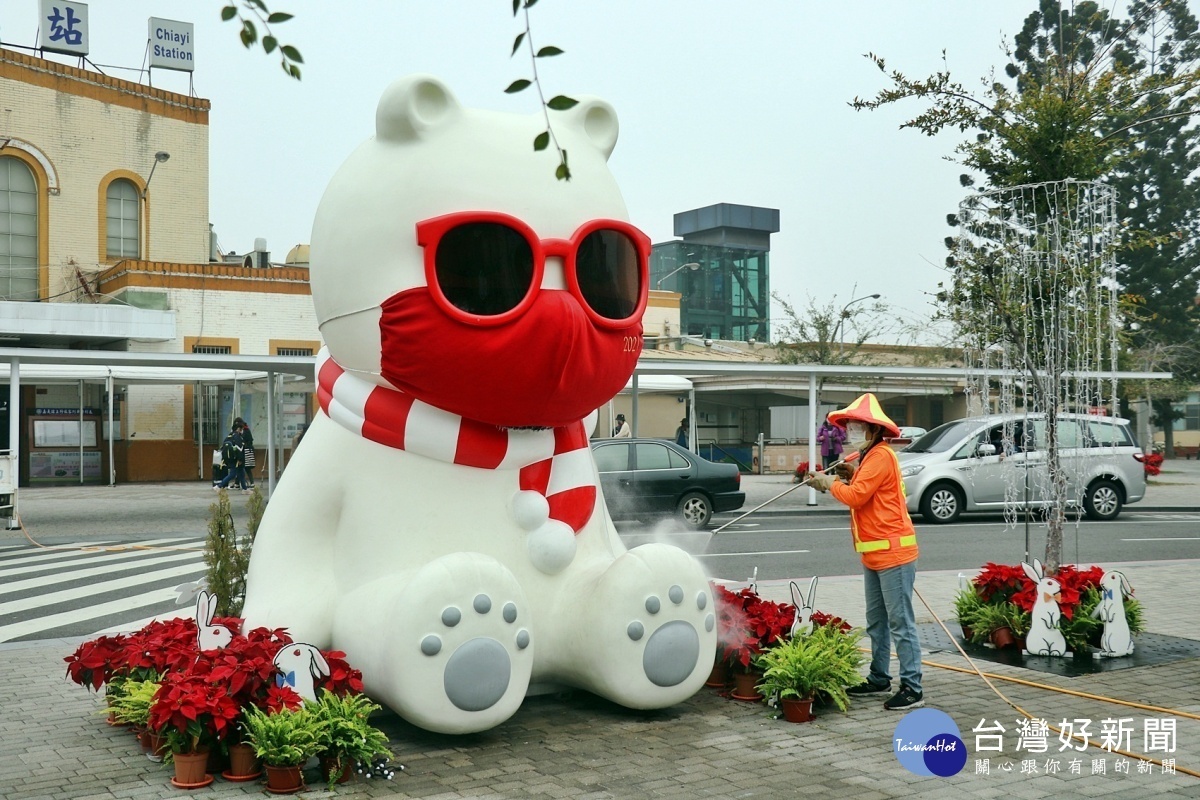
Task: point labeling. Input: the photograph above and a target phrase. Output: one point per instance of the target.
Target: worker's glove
(845, 471)
(820, 481)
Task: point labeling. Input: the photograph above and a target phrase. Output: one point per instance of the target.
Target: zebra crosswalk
(94, 587)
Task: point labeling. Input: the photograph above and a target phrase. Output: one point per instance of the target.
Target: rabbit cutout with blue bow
(299, 666)
(1116, 639)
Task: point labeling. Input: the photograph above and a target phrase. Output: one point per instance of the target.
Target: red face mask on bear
(483, 340)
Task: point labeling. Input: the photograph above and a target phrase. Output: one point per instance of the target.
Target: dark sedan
(651, 477)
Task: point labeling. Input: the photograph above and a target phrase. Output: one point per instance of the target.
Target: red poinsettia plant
(747, 624)
(91, 664)
(243, 672)
(245, 667)
(160, 647)
(820, 618)
(193, 711)
(1000, 583)
(343, 679)
(1074, 583)
(1004, 596)
(1152, 464)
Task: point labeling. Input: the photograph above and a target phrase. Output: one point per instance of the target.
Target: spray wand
(853, 456)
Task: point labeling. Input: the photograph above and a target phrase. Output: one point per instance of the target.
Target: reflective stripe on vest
(886, 544)
(909, 540)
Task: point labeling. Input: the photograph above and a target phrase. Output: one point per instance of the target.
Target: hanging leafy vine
(557, 103)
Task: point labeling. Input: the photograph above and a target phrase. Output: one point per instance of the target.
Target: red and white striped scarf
(555, 462)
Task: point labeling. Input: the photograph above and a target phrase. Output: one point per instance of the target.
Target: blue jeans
(890, 617)
(234, 473)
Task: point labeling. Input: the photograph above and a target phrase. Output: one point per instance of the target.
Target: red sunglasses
(486, 268)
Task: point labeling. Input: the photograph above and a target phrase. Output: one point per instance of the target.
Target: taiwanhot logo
(927, 742)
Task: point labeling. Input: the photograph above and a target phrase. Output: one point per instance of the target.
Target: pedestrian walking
(622, 429)
(681, 433)
(231, 458)
(248, 462)
(830, 437)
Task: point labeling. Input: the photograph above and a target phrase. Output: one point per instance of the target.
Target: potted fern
(346, 737)
(284, 740)
(966, 609)
(132, 707)
(826, 661)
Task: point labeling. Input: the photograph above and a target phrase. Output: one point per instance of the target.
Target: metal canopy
(113, 367)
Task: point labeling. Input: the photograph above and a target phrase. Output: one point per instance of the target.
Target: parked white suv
(997, 462)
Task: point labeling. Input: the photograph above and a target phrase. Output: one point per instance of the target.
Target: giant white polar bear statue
(442, 521)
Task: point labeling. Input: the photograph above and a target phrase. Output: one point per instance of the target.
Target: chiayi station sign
(172, 44)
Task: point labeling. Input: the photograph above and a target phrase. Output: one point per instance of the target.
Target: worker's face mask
(857, 434)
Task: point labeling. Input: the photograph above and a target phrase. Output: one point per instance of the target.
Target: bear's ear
(413, 105)
(598, 121)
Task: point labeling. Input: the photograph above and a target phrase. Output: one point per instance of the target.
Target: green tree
(1156, 154)
(226, 555)
(826, 334)
(1087, 91)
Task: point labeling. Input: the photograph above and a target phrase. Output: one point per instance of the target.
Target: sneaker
(867, 687)
(905, 699)
(216, 488)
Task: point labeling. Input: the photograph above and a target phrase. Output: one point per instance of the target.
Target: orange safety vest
(880, 526)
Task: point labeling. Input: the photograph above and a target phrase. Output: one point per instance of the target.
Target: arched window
(123, 202)
(18, 231)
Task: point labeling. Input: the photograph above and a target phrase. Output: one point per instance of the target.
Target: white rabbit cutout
(804, 605)
(1045, 637)
(1116, 639)
(210, 636)
(299, 665)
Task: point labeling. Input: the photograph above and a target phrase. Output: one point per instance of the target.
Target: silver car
(998, 462)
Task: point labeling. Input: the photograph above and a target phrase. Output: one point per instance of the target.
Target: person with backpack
(232, 458)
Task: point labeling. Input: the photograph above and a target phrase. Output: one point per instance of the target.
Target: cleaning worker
(886, 541)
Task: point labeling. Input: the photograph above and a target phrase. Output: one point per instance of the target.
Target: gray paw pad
(653, 604)
(477, 675)
(671, 653)
(451, 617)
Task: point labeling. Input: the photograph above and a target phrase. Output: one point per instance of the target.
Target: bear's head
(449, 262)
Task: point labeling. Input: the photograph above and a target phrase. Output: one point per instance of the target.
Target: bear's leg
(642, 632)
(449, 646)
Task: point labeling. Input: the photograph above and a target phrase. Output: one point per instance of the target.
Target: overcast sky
(737, 102)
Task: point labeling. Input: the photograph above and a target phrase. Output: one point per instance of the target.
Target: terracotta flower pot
(243, 763)
(330, 763)
(797, 709)
(284, 780)
(719, 675)
(968, 633)
(152, 744)
(191, 770)
(745, 686)
(1003, 637)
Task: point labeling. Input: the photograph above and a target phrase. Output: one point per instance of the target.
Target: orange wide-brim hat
(865, 409)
